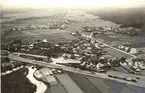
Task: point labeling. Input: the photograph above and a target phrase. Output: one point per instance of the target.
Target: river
(40, 86)
(22, 81)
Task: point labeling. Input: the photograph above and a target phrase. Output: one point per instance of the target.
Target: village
(84, 54)
(72, 51)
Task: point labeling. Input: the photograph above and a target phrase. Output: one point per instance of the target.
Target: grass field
(39, 17)
(53, 36)
(83, 83)
(58, 89)
(20, 18)
(96, 85)
(68, 83)
(133, 17)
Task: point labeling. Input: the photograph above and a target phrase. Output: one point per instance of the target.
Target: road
(110, 48)
(114, 51)
(140, 82)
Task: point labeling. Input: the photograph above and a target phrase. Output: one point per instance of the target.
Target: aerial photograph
(72, 46)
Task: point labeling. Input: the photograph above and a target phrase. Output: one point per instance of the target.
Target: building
(46, 75)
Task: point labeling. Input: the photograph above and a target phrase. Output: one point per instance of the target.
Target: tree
(94, 60)
(85, 58)
(115, 62)
(122, 59)
(72, 56)
(7, 59)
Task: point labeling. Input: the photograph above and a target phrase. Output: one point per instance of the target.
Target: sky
(72, 3)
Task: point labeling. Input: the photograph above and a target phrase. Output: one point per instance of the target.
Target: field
(22, 18)
(53, 36)
(68, 84)
(83, 83)
(58, 89)
(96, 85)
(133, 17)
(79, 19)
(126, 17)
(38, 17)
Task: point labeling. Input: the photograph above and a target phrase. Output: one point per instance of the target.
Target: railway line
(139, 82)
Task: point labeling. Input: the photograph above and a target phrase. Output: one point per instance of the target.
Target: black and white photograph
(72, 46)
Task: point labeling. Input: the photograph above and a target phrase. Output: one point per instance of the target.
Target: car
(59, 71)
(133, 80)
(110, 75)
(101, 71)
(92, 72)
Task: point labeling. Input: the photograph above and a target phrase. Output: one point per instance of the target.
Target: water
(22, 81)
(40, 86)
(10, 71)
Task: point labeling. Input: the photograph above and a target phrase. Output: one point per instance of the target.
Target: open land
(54, 36)
(78, 19)
(95, 85)
(133, 17)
